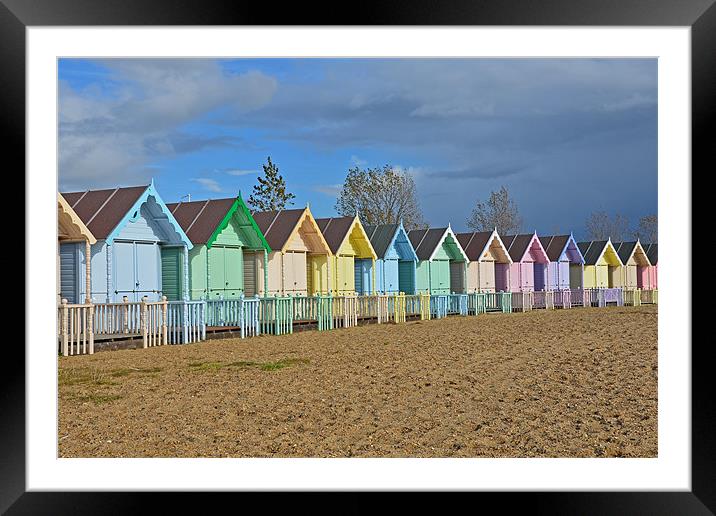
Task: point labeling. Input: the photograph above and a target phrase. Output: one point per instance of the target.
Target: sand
(572, 383)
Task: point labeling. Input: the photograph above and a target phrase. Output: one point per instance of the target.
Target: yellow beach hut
(352, 257)
(298, 263)
(602, 266)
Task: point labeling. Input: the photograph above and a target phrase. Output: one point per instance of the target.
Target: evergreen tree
(270, 192)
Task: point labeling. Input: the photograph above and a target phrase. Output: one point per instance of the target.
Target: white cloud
(210, 185)
(116, 133)
(239, 172)
(331, 190)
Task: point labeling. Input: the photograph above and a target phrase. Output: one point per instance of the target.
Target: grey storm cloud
(555, 131)
(485, 172)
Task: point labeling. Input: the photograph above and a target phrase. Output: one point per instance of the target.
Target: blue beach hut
(396, 263)
(141, 250)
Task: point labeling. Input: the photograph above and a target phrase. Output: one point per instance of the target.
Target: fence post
(90, 328)
(242, 315)
(64, 324)
(125, 309)
(143, 320)
(164, 319)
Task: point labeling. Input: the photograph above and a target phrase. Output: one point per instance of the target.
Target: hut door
(363, 276)
(575, 276)
(540, 272)
(613, 276)
(147, 267)
(391, 274)
(631, 276)
(440, 276)
(250, 273)
(501, 276)
(642, 274)
(172, 273)
(456, 277)
(233, 272)
(406, 278)
(216, 272)
(296, 277)
(602, 276)
(309, 275)
(69, 263)
(359, 275)
(486, 276)
(124, 271)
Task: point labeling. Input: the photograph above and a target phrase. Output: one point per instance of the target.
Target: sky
(566, 136)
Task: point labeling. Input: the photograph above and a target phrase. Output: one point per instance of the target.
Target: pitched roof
(473, 243)
(554, 245)
(381, 236)
(583, 247)
(624, 250)
(518, 244)
(425, 241)
(199, 219)
(592, 251)
(334, 230)
(69, 225)
(652, 253)
(277, 225)
(102, 210)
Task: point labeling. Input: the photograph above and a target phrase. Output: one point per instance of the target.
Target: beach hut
(353, 257)
(602, 265)
(141, 250)
(228, 247)
(528, 271)
(74, 243)
(565, 269)
(298, 263)
(649, 278)
(441, 261)
(396, 263)
(636, 263)
(489, 265)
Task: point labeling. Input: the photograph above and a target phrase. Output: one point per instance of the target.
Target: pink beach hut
(649, 274)
(528, 271)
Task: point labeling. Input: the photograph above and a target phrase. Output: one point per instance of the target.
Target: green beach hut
(229, 249)
(442, 262)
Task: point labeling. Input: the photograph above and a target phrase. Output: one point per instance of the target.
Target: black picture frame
(700, 15)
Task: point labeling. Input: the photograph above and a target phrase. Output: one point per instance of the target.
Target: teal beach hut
(441, 267)
(396, 263)
(141, 250)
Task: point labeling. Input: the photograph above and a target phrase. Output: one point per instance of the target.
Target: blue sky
(566, 136)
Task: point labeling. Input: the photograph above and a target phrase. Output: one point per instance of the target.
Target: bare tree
(499, 211)
(600, 226)
(381, 196)
(648, 229)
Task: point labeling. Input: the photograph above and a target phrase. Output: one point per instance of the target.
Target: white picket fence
(75, 333)
(78, 324)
